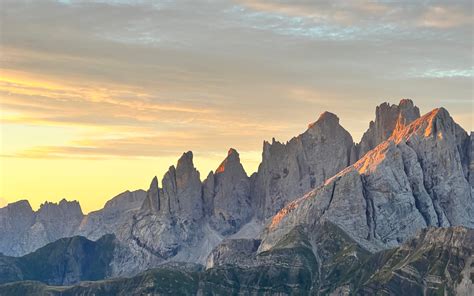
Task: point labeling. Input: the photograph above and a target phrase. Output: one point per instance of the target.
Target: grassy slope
(300, 264)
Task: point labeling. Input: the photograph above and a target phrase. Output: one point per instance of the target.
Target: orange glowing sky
(97, 98)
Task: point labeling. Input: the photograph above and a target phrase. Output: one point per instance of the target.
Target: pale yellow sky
(97, 98)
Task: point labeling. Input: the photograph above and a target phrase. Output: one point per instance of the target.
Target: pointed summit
(182, 190)
(438, 123)
(185, 162)
(288, 170)
(326, 118)
(227, 192)
(387, 119)
(63, 208)
(152, 200)
(232, 151)
(232, 160)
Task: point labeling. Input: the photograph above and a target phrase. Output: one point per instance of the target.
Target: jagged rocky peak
(152, 200)
(208, 193)
(65, 208)
(290, 170)
(326, 123)
(387, 118)
(437, 123)
(230, 162)
(408, 112)
(59, 219)
(28, 230)
(412, 180)
(178, 222)
(227, 195)
(182, 190)
(326, 118)
(185, 167)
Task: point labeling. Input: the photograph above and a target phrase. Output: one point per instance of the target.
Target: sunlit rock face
(440, 143)
(411, 181)
(290, 170)
(387, 119)
(22, 230)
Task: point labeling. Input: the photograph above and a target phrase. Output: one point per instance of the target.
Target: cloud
(365, 14)
(445, 73)
(135, 79)
(336, 12)
(445, 17)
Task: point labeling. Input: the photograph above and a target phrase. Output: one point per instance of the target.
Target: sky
(98, 97)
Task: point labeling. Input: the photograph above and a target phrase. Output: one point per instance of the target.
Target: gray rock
(411, 181)
(59, 220)
(152, 200)
(387, 119)
(438, 140)
(22, 230)
(227, 193)
(182, 191)
(232, 251)
(170, 220)
(290, 170)
(16, 220)
(116, 212)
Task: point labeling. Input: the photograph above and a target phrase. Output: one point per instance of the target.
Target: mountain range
(321, 215)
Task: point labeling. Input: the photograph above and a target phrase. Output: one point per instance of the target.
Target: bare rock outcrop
(290, 170)
(227, 195)
(232, 251)
(181, 193)
(387, 119)
(411, 181)
(170, 220)
(59, 220)
(23, 230)
(116, 212)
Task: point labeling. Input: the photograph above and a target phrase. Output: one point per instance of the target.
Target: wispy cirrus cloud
(447, 16)
(435, 14)
(119, 121)
(330, 12)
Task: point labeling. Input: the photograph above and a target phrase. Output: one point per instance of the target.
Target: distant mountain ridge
(24, 230)
(407, 173)
(63, 262)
